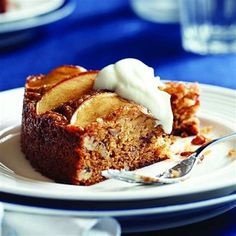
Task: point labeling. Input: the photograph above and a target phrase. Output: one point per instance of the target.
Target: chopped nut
(175, 173)
(206, 129)
(99, 120)
(201, 158)
(113, 132)
(189, 102)
(207, 152)
(126, 166)
(103, 151)
(231, 153)
(85, 174)
(89, 143)
(146, 179)
(173, 138)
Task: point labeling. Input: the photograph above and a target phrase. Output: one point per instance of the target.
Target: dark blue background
(101, 32)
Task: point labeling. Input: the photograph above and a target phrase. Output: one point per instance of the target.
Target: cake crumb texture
(127, 138)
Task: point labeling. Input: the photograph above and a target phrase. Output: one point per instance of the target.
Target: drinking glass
(208, 26)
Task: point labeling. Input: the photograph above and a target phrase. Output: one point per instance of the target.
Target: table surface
(101, 32)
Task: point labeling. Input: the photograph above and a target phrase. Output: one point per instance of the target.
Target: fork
(178, 173)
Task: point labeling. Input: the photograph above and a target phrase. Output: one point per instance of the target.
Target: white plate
(28, 23)
(23, 9)
(215, 173)
(208, 193)
(146, 219)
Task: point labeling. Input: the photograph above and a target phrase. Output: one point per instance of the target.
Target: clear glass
(208, 26)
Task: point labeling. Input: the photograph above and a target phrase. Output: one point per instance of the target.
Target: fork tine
(181, 169)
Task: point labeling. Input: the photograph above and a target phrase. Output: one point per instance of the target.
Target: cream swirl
(133, 80)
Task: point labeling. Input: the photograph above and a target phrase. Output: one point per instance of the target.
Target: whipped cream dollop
(133, 80)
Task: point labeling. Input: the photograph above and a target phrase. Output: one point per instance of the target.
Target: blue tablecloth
(101, 32)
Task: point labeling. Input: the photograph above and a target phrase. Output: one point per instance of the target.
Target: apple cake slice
(71, 132)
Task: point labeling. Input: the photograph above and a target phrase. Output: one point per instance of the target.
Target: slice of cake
(77, 123)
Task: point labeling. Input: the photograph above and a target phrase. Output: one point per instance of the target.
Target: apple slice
(97, 106)
(55, 76)
(68, 89)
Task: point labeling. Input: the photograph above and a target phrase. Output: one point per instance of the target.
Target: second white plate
(24, 9)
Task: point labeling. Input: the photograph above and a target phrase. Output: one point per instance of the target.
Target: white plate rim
(107, 196)
(40, 8)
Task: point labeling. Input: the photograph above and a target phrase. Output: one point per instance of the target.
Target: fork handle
(215, 141)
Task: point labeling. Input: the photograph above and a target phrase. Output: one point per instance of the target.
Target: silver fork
(178, 173)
